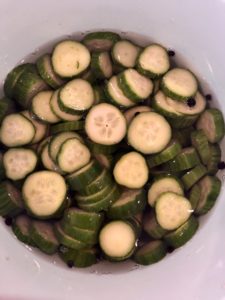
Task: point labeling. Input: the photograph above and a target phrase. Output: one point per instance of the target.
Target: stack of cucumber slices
(108, 152)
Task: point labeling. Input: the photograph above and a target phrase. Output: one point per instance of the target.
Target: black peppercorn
(171, 53)
(8, 221)
(191, 102)
(70, 263)
(208, 97)
(221, 165)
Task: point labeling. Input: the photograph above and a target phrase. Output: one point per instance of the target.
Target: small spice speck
(8, 221)
(191, 102)
(170, 249)
(208, 97)
(70, 263)
(221, 165)
(171, 53)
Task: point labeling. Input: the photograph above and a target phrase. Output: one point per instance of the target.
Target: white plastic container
(195, 30)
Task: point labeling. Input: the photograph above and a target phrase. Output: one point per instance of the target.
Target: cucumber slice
(72, 155)
(42, 144)
(102, 181)
(101, 65)
(200, 142)
(183, 136)
(134, 85)
(101, 40)
(27, 86)
(212, 123)
(88, 75)
(80, 258)
(210, 187)
(45, 69)
(136, 222)
(41, 129)
(129, 204)
(21, 228)
(58, 112)
(150, 253)
(187, 159)
(7, 106)
(10, 199)
(14, 76)
(134, 111)
(115, 95)
(47, 161)
(194, 196)
(215, 158)
(163, 185)
(161, 105)
(104, 203)
(125, 53)
(58, 140)
(183, 234)
(44, 193)
(105, 124)
(172, 150)
(182, 121)
(67, 126)
(99, 94)
(117, 240)
(70, 58)
(41, 107)
(183, 108)
(153, 61)
(149, 133)
(67, 240)
(101, 149)
(105, 160)
(179, 84)
(80, 179)
(87, 236)
(76, 96)
(152, 227)
(16, 130)
(83, 219)
(172, 210)
(192, 176)
(19, 162)
(131, 170)
(43, 236)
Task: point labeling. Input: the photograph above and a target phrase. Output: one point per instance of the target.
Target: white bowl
(195, 29)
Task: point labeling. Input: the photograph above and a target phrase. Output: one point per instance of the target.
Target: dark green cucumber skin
(67, 126)
(182, 122)
(91, 221)
(194, 195)
(192, 176)
(101, 149)
(102, 35)
(6, 106)
(95, 65)
(126, 89)
(2, 169)
(211, 198)
(183, 234)
(145, 256)
(75, 183)
(9, 207)
(183, 136)
(44, 245)
(151, 226)
(25, 238)
(200, 142)
(80, 258)
(66, 109)
(215, 158)
(13, 77)
(129, 210)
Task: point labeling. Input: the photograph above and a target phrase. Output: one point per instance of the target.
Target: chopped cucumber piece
(7, 106)
(67, 126)
(101, 149)
(44, 193)
(16, 130)
(182, 121)
(117, 240)
(163, 185)
(105, 124)
(194, 195)
(153, 61)
(179, 84)
(101, 65)
(200, 142)
(101, 40)
(134, 111)
(215, 158)
(131, 170)
(105, 160)
(172, 210)
(192, 176)
(124, 53)
(47, 161)
(70, 58)
(150, 253)
(152, 227)
(21, 228)
(149, 133)
(212, 123)
(183, 136)
(19, 162)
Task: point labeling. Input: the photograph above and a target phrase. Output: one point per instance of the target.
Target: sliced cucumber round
(193, 176)
(200, 142)
(100, 40)
(47, 161)
(105, 160)
(215, 158)
(179, 84)
(150, 253)
(105, 124)
(194, 195)
(172, 210)
(163, 185)
(153, 61)
(117, 240)
(149, 133)
(131, 170)
(101, 65)
(67, 126)
(152, 227)
(7, 106)
(21, 228)
(182, 121)
(44, 193)
(134, 111)
(125, 53)
(183, 136)
(70, 58)
(101, 149)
